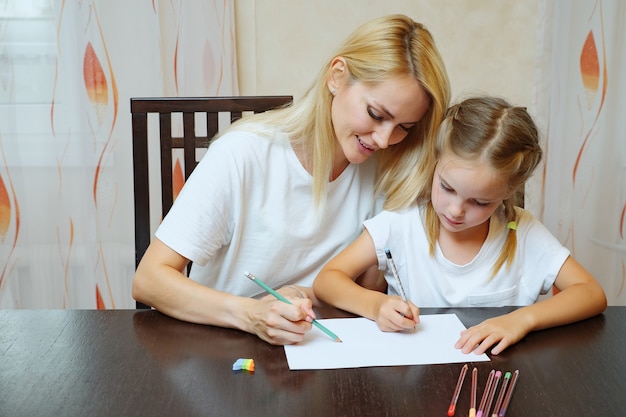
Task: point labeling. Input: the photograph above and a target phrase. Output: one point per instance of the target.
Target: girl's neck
(462, 247)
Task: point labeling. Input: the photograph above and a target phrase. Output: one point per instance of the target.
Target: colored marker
(509, 394)
(483, 401)
(492, 392)
(505, 383)
(394, 270)
(472, 411)
(281, 298)
(457, 391)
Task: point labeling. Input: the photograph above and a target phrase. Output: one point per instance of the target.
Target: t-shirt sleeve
(378, 227)
(542, 252)
(201, 220)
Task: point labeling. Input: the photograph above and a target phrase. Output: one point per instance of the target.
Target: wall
(488, 45)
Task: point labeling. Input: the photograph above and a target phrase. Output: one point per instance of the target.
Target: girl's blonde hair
(489, 130)
(383, 48)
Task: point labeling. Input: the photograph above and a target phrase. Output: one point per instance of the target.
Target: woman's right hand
(395, 315)
(279, 323)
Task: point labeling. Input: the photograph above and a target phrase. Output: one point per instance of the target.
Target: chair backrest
(182, 114)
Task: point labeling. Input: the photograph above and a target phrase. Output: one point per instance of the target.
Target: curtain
(581, 96)
(67, 71)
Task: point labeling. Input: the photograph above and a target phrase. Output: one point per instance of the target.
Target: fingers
(280, 323)
(480, 338)
(395, 315)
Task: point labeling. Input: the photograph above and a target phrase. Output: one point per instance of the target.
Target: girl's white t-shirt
(436, 282)
(248, 206)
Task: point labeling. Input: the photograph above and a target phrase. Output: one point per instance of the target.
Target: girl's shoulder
(405, 216)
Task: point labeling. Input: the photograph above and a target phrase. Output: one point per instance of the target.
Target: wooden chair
(182, 113)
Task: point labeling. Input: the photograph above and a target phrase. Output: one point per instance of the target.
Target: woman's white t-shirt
(436, 282)
(248, 206)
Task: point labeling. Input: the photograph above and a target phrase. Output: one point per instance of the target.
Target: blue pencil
(281, 298)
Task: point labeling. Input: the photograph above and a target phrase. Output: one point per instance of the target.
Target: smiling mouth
(369, 148)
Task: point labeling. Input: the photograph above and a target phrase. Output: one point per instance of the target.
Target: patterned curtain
(67, 71)
(582, 95)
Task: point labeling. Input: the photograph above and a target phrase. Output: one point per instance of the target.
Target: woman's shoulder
(250, 134)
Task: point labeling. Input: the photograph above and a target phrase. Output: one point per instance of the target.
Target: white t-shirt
(436, 282)
(248, 206)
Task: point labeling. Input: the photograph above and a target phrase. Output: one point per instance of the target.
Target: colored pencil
(483, 401)
(457, 391)
(509, 394)
(281, 298)
(492, 393)
(472, 411)
(505, 383)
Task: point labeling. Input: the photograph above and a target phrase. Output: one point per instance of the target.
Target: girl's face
(368, 118)
(465, 194)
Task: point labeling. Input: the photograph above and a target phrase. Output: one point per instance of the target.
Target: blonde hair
(505, 137)
(383, 48)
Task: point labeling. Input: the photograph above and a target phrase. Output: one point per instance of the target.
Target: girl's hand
(395, 315)
(502, 331)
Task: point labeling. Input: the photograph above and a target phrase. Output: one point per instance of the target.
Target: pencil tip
(339, 340)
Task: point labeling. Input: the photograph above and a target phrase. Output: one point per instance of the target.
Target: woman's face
(368, 118)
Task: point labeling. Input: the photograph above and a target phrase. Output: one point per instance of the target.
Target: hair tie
(511, 225)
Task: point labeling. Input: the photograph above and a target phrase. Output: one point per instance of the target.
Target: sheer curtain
(67, 71)
(582, 95)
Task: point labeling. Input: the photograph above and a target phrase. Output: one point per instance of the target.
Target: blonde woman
(280, 193)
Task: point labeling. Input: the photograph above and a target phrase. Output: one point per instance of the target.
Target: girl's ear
(336, 74)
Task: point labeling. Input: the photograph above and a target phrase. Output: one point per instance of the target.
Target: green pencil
(281, 298)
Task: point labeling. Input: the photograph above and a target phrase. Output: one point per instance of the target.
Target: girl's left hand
(502, 331)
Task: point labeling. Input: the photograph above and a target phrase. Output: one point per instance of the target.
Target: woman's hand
(279, 323)
(394, 315)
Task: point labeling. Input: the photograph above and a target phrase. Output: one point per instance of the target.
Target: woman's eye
(373, 114)
(404, 128)
(445, 188)
(481, 204)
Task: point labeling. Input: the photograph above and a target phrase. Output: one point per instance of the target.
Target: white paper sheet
(365, 345)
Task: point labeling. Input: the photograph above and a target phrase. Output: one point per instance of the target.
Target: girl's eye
(445, 188)
(373, 114)
(481, 204)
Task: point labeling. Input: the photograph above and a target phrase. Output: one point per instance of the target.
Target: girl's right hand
(395, 315)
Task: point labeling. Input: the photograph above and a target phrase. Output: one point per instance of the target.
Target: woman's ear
(336, 74)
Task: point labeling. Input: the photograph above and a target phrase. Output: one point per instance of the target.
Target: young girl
(465, 244)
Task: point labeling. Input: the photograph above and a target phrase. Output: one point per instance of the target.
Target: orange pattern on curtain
(7, 216)
(178, 179)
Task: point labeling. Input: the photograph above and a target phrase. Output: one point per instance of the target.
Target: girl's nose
(456, 208)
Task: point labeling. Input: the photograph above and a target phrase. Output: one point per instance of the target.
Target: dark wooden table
(142, 363)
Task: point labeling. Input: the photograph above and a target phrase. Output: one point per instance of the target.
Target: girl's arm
(580, 296)
(335, 285)
(159, 282)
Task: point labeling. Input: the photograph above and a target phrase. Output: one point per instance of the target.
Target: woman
(280, 193)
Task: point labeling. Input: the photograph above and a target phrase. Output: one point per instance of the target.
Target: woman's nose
(383, 136)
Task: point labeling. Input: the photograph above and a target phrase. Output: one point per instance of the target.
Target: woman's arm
(335, 285)
(580, 296)
(160, 283)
